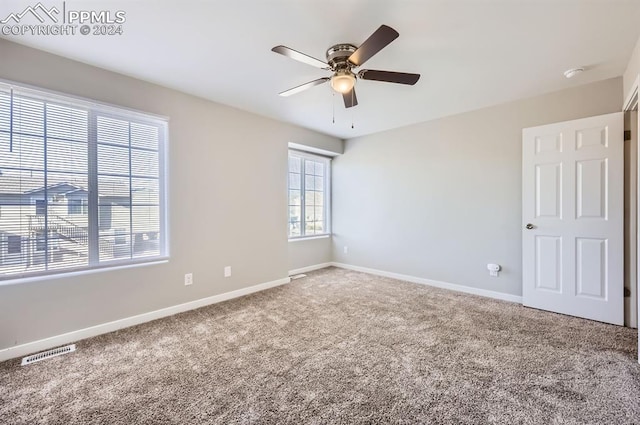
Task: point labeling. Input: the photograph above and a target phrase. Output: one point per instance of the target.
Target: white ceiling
(471, 53)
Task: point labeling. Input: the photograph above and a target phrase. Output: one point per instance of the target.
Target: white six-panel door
(572, 210)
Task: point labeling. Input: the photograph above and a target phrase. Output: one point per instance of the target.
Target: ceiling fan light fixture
(343, 81)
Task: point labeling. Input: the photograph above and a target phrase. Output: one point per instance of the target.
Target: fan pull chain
(333, 106)
(352, 91)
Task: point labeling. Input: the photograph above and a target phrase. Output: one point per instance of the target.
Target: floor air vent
(48, 354)
(297, 276)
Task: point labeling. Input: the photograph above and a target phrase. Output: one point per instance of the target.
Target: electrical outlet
(227, 271)
(188, 279)
(346, 249)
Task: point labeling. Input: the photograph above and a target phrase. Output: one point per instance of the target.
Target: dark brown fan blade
(301, 57)
(389, 76)
(304, 86)
(350, 98)
(376, 42)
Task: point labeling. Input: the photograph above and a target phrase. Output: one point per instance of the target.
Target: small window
(41, 207)
(14, 244)
(309, 183)
(41, 241)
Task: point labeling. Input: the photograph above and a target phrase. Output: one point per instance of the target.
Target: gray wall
(227, 204)
(633, 70)
(309, 252)
(439, 200)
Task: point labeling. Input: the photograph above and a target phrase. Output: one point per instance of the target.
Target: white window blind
(81, 185)
(309, 183)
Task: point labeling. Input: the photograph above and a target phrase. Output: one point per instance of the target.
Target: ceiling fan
(343, 58)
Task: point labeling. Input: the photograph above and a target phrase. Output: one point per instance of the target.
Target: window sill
(80, 272)
(307, 238)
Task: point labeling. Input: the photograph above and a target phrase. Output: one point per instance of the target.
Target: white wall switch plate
(346, 249)
(227, 271)
(188, 279)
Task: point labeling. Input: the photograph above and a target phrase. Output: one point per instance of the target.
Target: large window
(309, 183)
(78, 206)
(81, 185)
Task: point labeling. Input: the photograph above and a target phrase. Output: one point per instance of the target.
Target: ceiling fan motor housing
(338, 56)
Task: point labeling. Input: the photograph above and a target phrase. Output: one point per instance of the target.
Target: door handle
(529, 226)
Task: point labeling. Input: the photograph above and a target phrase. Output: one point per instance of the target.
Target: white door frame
(631, 103)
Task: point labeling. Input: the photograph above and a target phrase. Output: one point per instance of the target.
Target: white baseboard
(444, 285)
(66, 338)
(309, 268)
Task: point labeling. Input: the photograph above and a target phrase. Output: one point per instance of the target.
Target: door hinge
(627, 292)
(627, 135)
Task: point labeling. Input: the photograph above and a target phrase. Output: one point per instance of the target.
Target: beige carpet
(339, 347)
